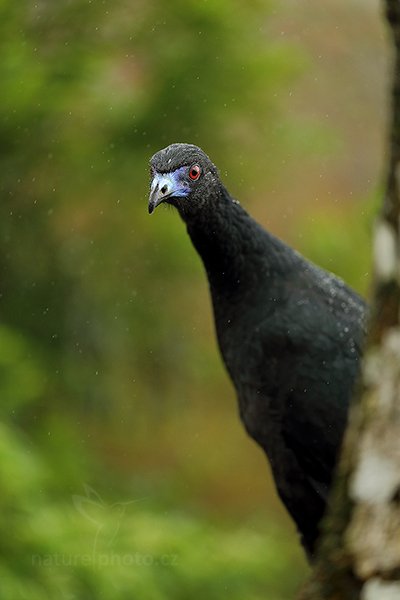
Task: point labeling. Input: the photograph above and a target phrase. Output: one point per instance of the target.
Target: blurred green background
(124, 470)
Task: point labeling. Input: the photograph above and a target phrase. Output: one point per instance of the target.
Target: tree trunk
(359, 553)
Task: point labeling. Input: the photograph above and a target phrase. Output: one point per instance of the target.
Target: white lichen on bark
(374, 532)
(385, 251)
(376, 589)
(375, 482)
(376, 478)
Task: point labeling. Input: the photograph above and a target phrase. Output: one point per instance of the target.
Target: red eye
(194, 172)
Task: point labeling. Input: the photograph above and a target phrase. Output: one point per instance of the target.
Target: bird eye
(194, 172)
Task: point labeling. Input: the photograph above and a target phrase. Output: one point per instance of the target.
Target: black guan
(290, 333)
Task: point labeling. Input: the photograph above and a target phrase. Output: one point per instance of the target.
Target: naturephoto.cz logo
(107, 520)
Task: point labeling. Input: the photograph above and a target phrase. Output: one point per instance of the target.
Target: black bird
(290, 333)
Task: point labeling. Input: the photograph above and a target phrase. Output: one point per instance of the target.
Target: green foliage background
(124, 470)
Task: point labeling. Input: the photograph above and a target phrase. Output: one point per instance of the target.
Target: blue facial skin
(176, 181)
(181, 185)
(168, 185)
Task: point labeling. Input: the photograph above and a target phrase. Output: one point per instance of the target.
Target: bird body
(290, 333)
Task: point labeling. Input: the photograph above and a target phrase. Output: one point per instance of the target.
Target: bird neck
(235, 249)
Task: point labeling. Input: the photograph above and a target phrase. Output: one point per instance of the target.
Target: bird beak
(162, 187)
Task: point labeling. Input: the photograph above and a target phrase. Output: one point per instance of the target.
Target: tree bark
(359, 552)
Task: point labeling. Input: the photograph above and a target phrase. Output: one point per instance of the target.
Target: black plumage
(289, 332)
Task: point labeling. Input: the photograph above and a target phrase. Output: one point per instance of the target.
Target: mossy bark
(359, 552)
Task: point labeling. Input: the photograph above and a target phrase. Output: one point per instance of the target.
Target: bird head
(184, 176)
